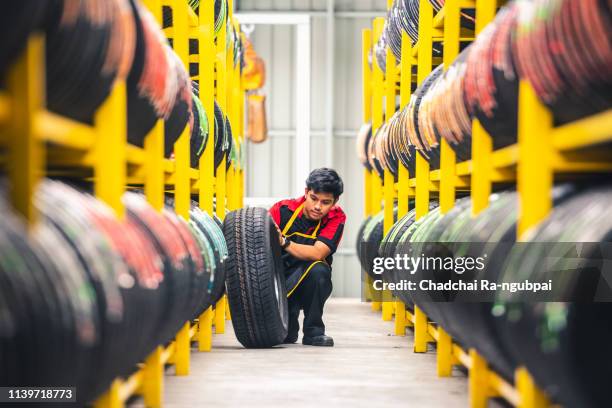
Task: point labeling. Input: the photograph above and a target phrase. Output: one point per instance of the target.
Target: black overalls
(308, 283)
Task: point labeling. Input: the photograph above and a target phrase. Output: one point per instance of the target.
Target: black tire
(255, 278)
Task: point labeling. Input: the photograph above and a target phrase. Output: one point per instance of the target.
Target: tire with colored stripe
(255, 278)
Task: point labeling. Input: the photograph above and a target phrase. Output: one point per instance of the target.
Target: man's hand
(281, 238)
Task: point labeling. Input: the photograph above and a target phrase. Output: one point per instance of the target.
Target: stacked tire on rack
(255, 278)
(557, 342)
(404, 17)
(85, 287)
(562, 48)
(90, 45)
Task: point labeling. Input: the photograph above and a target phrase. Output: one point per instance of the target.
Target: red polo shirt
(329, 232)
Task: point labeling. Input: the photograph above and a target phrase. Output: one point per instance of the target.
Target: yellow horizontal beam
(58, 156)
(64, 132)
(506, 157)
(461, 356)
(433, 185)
(438, 21)
(193, 331)
(464, 168)
(194, 174)
(503, 175)
(168, 353)
(169, 166)
(433, 331)
(409, 316)
(131, 386)
(135, 155)
(502, 388)
(583, 133)
(438, 36)
(562, 163)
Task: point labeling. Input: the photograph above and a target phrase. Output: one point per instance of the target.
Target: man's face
(317, 205)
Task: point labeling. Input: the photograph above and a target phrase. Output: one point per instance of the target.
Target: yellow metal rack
(38, 142)
(541, 152)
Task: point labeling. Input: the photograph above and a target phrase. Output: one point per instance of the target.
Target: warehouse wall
(270, 168)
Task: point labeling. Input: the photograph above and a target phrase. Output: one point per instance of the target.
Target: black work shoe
(291, 338)
(322, 340)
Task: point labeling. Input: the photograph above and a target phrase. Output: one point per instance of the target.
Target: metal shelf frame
(37, 142)
(530, 164)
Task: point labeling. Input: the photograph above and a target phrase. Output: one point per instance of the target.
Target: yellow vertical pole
(236, 104)
(422, 186)
(400, 318)
(377, 113)
(485, 13)
(221, 90)
(221, 176)
(422, 166)
(448, 157)
(448, 161)
(26, 154)
(420, 330)
(153, 379)
(403, 174)
(220, 315)
(478, 381)
(444, 353)
(241, 102)
(207, 96)
(389, 180)
(482, 145)
(530, 394)
(182, 188)
(183, 348)
(229, 86)
(205, 332)
(112, 398)
(154, 175)
(389, 188)
(377, 121)
(154, 144)
(425, 45)
(230, 183)
(534, 169)
(110, 148)
(366, 41)
(482, 151)
(405, 91)
(366, 37)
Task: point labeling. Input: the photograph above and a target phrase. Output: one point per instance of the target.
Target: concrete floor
(368, 366)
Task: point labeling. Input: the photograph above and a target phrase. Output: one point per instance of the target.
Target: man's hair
(325, 180)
